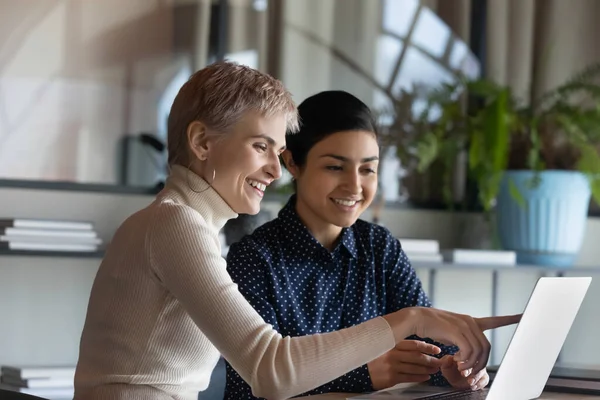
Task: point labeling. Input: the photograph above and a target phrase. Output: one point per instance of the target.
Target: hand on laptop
(446, 327)
(409, 361)
(457, 379)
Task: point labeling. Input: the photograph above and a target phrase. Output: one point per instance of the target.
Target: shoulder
(267, 234)
(178, 225)
(259, 245)
(171, 214)
(379, 236)
(250, 259)
(179, 238)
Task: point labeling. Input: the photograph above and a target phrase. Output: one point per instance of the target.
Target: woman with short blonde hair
(163, 306)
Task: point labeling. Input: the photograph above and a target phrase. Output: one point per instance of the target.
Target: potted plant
(426, 129)
(536, 166)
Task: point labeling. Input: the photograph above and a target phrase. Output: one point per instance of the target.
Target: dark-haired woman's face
(339, 179)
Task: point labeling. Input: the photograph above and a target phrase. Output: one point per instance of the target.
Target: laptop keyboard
(460, 394)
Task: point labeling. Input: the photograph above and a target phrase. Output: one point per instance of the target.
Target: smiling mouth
(258, 186)
(346, 203)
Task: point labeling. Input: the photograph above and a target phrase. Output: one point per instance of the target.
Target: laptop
(531, 354)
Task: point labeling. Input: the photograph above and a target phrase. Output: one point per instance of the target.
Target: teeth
(260, 186)
(347, 203)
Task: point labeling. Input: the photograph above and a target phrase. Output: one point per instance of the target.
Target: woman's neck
(326, 233)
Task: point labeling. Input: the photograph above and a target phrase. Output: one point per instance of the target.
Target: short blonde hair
(219, 95)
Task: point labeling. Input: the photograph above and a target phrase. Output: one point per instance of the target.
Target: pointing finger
(496, 322)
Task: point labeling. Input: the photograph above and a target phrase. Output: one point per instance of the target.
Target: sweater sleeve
(185, 256)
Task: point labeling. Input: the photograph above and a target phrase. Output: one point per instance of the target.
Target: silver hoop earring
(187, 178)
(214, 174)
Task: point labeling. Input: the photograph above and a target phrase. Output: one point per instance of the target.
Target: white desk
(545, 396)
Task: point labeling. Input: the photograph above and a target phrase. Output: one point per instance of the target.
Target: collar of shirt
(294, 226)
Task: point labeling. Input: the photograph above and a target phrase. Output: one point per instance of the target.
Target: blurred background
(465, 92)
(86, 86)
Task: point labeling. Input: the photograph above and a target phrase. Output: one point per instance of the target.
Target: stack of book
(47, 235)
(428, 251)
(476, 257)
(53, 383)
(422, 250)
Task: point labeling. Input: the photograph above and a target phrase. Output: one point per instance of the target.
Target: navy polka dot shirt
(301, 288)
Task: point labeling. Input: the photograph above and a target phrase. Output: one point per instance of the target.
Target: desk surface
(567, 396)
(544, 396)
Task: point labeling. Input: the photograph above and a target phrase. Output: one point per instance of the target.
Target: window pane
(420, 105)
(431, 33)
(382, 106)
(388, 51)
(463, 60)
(471, 66)
(419, 69)
(458, 54)
(398, 15)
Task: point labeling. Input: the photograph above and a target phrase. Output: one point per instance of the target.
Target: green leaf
(589, 161)
(515, 193)
(488, 157)
(483, 87)
(595, 186)
(488, 185)
(497, 131)
(427, 151)
(583, 81)
(589, 164)
(476, 150)
(533, 156)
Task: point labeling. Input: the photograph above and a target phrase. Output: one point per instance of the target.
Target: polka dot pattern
(301, 288)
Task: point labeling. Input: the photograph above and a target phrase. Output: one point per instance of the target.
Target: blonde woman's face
(246, 161)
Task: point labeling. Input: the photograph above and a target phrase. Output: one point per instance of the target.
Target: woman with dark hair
(163, 308)
(317, 268)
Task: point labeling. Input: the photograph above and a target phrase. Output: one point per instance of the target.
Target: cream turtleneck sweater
(163, 307)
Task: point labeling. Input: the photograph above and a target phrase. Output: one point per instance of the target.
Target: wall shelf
(53, 254)
(496, 267)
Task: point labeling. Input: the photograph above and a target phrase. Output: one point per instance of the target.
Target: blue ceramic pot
(548, 228)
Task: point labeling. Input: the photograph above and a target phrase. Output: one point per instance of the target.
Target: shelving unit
(39, 253)
(477, 290)
(495, 269)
